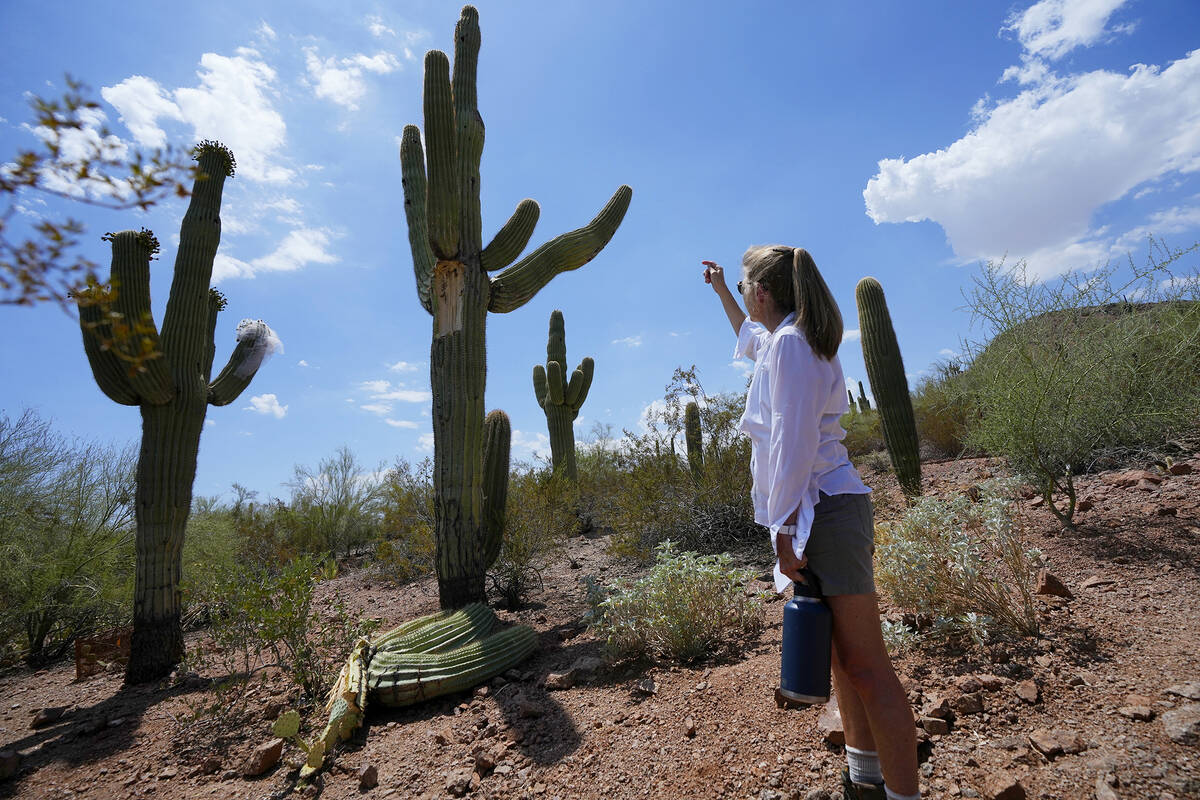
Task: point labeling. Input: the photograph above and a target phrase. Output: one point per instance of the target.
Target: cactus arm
(131, 278)
(574, 386)
(229, 384)
(540, 387)
(442, 193)
(518, 284)
(187, 316)
(216, 304)
(556, 341)
(107, 370)
(554, 382)
(589, 368)
(510, 240)
(497, 441)
(412, 166)
(468, 130)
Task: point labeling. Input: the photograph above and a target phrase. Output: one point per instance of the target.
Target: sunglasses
(741, 286)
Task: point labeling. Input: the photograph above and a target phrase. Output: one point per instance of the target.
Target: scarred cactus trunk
(173, 392)
(560, 399)
(441, 203)
(885, 369)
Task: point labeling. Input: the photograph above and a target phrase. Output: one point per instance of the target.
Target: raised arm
(715, 274)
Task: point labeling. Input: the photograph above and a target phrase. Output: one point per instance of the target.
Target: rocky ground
(1106, 704)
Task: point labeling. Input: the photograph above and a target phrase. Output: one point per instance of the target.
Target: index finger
(709, 263)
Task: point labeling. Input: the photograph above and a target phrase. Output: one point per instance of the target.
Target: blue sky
(909, 141)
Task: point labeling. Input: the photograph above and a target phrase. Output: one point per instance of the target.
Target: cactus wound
(448, 279)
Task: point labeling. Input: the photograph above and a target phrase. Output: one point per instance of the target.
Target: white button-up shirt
(793, 411)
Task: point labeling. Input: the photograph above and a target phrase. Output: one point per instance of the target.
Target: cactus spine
(863, 403)
(173, 391)
(885, 369)
(560, 399)
(695, 441)
(441, 204)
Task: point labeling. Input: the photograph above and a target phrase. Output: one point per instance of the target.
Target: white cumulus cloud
(629, 341)
(404, 366)
(267, 404)
(382, 409)
(1053, 28)
(298, 249)
(401, 423)
(341, 80)
(851, 335)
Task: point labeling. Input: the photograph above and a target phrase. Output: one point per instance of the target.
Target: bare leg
(854, 716)
(864, 664)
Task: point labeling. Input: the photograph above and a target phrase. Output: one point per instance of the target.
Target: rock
(1183, 724)
(1180, 469)
(1027, 691)
(480, 692)
(48, 716)
(646, 686)
(272, 710)
(458, 782)
(1190, 690)
(368, 778)
(264, 757)
(1047, 583)
(1166, 511)
(557, 681)
(10, 762)
(587, 667)
(444, 736)
(939, 707)
(689, 728)
(485, 760)
(992, 682)
(1003, 786)
(968, 684)
(830, 723)
(1085, 505)
(209, 766)
(1055, 743)
(815, 794)
(528, 708)
(1103, 790)
(1098, 580)
(1140, 713)
(167, 773)
(968, 703)
(935, 725)
(1138, 700)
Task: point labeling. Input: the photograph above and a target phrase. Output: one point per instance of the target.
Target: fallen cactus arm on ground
(434, 655)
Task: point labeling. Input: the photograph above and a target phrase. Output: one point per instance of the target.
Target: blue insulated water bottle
(807, 642)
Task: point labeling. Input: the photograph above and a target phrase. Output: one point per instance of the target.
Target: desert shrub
(877, 461)
(943, 410)
(1073, 372)
(407, 547)
(263, 618)
(863, 434)
(655, 497)
(962, 562)
(687, 607)
(335, 508)
(66, 538)
(540, 517)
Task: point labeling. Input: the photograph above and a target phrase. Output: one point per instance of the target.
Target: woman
(809, 496)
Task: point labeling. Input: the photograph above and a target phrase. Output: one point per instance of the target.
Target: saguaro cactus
(863, 403)
(885, 370)
(695, 441)
(853, 406)
(173, 391)
(441, 203)
(560, 399)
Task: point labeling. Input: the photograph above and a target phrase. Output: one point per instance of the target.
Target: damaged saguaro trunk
(172, 387)
(441, 204)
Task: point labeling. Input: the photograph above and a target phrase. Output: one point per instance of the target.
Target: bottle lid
(811, 586)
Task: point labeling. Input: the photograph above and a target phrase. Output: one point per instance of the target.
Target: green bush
(863, 434)
(66, 538)
(262, 618)
(962, 562)
(688, 607)
(407, 547)
(1074, 373)
(540, 517)
(943, 411)
(335, 508)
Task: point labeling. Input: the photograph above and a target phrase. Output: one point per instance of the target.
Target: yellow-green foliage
(407, 547)
(863, 434)
(943, 411)
(540, 519)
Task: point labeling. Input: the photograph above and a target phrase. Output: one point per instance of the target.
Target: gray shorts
(841, 547)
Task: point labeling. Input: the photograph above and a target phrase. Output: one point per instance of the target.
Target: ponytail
(817, 313)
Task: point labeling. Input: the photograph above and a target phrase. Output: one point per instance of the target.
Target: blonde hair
(790, 276)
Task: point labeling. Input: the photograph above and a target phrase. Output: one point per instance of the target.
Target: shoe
(860, 791)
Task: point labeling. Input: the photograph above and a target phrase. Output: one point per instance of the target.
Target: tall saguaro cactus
(885, 370)
(560, 399)
(441, 203)
(173, 391)
(694, 439)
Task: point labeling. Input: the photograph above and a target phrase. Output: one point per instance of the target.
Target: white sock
(864, 765)
(894, 796)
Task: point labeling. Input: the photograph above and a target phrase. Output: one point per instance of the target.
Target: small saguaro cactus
(173, 388)
(863, 403)
(559, 398)
(885, 370)
(853, 406)
(441, 204)
(695, 441)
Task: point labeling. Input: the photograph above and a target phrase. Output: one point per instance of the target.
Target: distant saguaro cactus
(885, 369)
(560, 399)
(853, 406)
(863, 403)
(173, 391)
(695, 441)
(441, 205)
